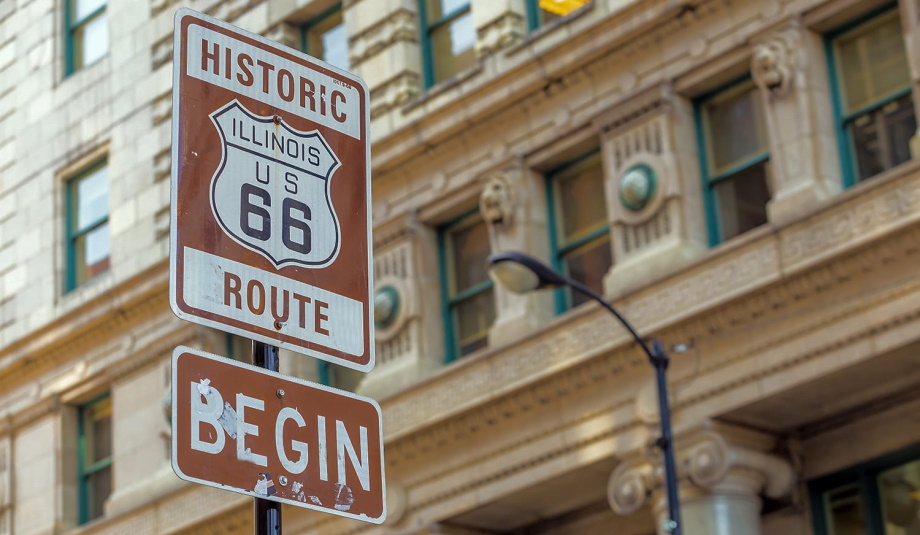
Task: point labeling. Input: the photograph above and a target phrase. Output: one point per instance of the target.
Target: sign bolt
(280, 393)
(277, 119)
(283, 481)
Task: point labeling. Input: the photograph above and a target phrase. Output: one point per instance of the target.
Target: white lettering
(244, 428)
(345, 446)
(321, 431)
(287, 413)
(207, 412)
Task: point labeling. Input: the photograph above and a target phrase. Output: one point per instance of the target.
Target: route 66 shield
(270, 192)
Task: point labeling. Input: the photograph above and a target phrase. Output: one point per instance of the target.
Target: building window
(880, 497)
(238, 347)
(579, 226)
(734, 157)
(325, 38)
(469, 305)
(536, 16)
(448, 37)
(871, 86)
(87, 33)
(338, 376)
(88, 245)
(94, 463)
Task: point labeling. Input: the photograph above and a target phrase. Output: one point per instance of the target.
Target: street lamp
(521, 273)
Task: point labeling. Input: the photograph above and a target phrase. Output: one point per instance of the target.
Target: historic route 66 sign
(273, 182)
(270, 235)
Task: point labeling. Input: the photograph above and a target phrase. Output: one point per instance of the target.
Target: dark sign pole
(267, 513)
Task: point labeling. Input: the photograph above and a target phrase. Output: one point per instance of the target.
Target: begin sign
(270, 194)
(242, 428)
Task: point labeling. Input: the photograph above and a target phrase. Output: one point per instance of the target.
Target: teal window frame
(324, 373)
(70, 28)
(84, 472)
(533, 15)
(865, 476)
(714, 229)
(842, 119)
(425, 31)
(449, 302)
(72, 233)
(562, 296)
(316, 21)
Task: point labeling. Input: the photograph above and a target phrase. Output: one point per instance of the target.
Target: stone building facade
(738, 177)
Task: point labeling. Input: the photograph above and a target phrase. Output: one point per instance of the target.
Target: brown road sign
(270, 194)
(248, 430)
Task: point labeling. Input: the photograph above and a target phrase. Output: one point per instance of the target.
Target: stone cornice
(87, 326)
(636, 26)
(873, 318)
(777, 259)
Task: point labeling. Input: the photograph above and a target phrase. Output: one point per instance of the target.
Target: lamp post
(521, 273)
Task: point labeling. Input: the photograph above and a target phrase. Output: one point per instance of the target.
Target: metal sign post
(266, 513)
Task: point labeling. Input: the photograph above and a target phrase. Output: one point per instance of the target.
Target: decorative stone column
(722, 472)
(910, 21)
(383, 43)
(652, 187)
(498, 23)
(513, 204)
(408, 338)
(788, 66)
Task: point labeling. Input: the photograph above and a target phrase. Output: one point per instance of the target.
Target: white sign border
(181, 13)
(225, 361)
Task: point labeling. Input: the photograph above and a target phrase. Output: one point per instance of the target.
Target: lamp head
(521, 273)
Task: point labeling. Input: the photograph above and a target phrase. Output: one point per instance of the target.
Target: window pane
(899, 489)
(588, 264)
(469, 248)
(881, 138)
(91, 41)
(328, 41)
(437, 9)
(474, 316)
(83, 8)
(846, 511)
(100, 487)
(742, 201)
(873, 62)
(341, 377)
(97, 429)
(544, 16)
(735, 128)
(92, 201)
(335, 47)
(583, 208)
(92, 253)
(452, 46)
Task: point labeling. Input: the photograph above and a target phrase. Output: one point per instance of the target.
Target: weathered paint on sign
(270, 194)
(248, 430)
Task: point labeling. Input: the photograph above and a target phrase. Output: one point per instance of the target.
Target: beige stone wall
(782, 322)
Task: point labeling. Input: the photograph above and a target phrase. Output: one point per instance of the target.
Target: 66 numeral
(294, 216)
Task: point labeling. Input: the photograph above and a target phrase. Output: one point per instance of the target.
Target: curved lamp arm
(506, 269)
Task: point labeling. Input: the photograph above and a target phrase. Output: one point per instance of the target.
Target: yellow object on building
(561, 7)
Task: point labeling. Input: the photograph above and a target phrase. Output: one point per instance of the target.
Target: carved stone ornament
(386, 306)
(773, 64)
(629, 487)
(637, 187)
(496, 201)
(707, 462)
